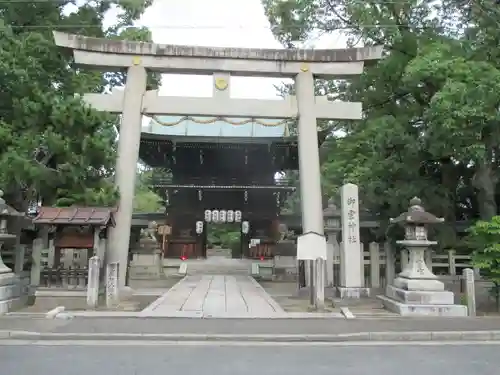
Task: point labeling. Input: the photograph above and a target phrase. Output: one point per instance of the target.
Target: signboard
(311, 246)
(164, 230)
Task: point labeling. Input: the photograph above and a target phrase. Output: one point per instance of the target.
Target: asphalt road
(143, 359)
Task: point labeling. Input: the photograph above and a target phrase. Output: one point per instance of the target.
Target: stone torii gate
(303, 65)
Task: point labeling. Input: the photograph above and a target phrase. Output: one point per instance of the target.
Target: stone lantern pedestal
(417, 291)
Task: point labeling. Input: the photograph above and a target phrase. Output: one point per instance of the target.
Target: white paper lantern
(199, 227)
(215, 216)
(230, 216)
(222, 216)
(237, 216)
(208, 216)
(245, 227)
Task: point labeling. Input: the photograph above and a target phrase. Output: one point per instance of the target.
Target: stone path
(216, 296)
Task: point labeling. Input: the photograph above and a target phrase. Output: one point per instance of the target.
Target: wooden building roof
(160, 150)
(95, 216)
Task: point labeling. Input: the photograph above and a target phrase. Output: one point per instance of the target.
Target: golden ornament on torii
(221, 84)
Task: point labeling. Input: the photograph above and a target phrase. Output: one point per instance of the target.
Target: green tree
(484, 236)
(146, 200)
(225, 235)
(430, 106)
(53, 147)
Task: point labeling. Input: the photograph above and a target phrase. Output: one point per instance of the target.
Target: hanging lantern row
(222, 216)
(199, 227)
(245, 227)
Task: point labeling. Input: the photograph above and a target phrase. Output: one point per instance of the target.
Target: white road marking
(236, 343)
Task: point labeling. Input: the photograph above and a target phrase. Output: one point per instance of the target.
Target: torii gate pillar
(126, 168)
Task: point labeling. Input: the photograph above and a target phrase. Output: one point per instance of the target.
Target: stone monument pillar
(93, 282)
(416, 291)
(351, 280)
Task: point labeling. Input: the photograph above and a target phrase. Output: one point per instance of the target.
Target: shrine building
(220, 170)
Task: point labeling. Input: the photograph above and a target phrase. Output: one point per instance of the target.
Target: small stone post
(158, 261)
(93, 283)
(319, 301)
(374, 265)
(390, 264)
(112, 287)
(36, 265)
(51, 254)
(19, 262)
(470, 290)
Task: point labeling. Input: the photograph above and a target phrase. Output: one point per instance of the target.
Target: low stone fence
(67, 278)
(377, 270)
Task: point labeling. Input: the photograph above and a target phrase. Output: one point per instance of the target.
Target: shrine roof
(98, 216)
(221, 127)
(193, 140)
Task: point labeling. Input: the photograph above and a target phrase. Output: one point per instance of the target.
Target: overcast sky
(220, 23)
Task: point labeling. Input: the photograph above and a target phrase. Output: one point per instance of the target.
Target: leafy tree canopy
(52, 146)
(146, 200)
(431, 108)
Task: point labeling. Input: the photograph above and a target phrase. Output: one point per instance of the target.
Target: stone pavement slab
(216, 296)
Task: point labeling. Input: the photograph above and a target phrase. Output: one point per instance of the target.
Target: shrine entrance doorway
(225, 234)
(223, 240)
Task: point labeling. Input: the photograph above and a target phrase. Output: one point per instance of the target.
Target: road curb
(361, 336)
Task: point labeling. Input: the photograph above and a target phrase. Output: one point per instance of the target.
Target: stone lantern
(331, 216)
(333, 226)
(5, 212)
(11, 288)
(416, 290)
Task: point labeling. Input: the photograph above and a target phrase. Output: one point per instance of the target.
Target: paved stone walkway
(216, 296)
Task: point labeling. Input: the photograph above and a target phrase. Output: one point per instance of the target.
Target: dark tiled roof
(75, 216)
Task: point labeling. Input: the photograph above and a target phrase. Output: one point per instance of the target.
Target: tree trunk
(485, 181)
